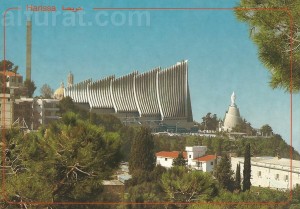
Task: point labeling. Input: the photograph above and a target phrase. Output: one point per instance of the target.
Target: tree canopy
(9, 66)
(30, 85)
(46, 91)
(65, 161)
(183, 186)
(180, 160)
(142, 156)
(276, 33)
(223, 173)
(247, 169)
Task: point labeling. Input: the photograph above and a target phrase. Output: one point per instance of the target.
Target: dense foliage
(237, 180)
(142, 156)
(224, 174)
(247, 169)
(66, 161)
(260, 146)
(273, 31)
(30, 85)
(180, 160)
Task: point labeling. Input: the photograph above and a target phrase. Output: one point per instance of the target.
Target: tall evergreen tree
(247, 169)
(142, 155)
(238, 177)
(30, 85)
(179, 161)
(224, 173)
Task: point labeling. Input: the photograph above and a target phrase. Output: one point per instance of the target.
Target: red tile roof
(205, 158)
(173, 154)
(9, 73)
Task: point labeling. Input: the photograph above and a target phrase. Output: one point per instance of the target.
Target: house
(165, 159)
(195, 156)
(271, 172)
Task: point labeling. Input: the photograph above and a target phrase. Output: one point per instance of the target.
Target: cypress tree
(179, 161)
(238, 177)
(247, 169)
(224, 173)
(142, 157)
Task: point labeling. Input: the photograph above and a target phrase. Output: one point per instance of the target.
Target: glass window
(211, 163)
(166, 159)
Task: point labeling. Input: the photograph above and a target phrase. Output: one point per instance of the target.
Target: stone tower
(232, 116)
(28, 50)
(70, 79)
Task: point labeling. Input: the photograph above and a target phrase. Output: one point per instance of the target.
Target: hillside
(260, 146)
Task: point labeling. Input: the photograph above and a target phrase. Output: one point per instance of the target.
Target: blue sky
(221, 56)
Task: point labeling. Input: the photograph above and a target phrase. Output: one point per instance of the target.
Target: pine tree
(271, 32)
(224, 173)
(142, 157)
(179, 161)
(238, 177)
(247, 169)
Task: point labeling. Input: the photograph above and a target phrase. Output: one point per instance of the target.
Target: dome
(59, 93)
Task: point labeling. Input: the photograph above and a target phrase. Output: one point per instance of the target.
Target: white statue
(233, 99)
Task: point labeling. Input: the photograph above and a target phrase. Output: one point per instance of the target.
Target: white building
(47, 110)
(195, 156)
(165, 158)
(271, 172)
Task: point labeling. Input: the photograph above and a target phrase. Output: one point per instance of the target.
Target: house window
(286, 177)
(199, 164)
(190, 156)
(211, 163)
(277, 176)
(166, 159)
(259, 173)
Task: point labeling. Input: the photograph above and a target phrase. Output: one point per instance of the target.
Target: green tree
(181, 185)
(180, 160)
(66, 105)
(30, 85)
(46, 91)
(9, 66)
(62, 162)
(209, 122)
(142, 156)
(238, 178)
(224, 173)
(247, 169)
(271, 32)
(266, 130)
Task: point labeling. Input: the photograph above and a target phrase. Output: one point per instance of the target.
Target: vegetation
(237, 180)
(224, 174)
(180, 160)
(30, 85)
(247, 169)
(209, 122)
(9, 66)
(46, 91)
(260, 146)
(266, 130)
(181, 185)
(245, 127)
(271, 31)
(142, 156)
(67, 161)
